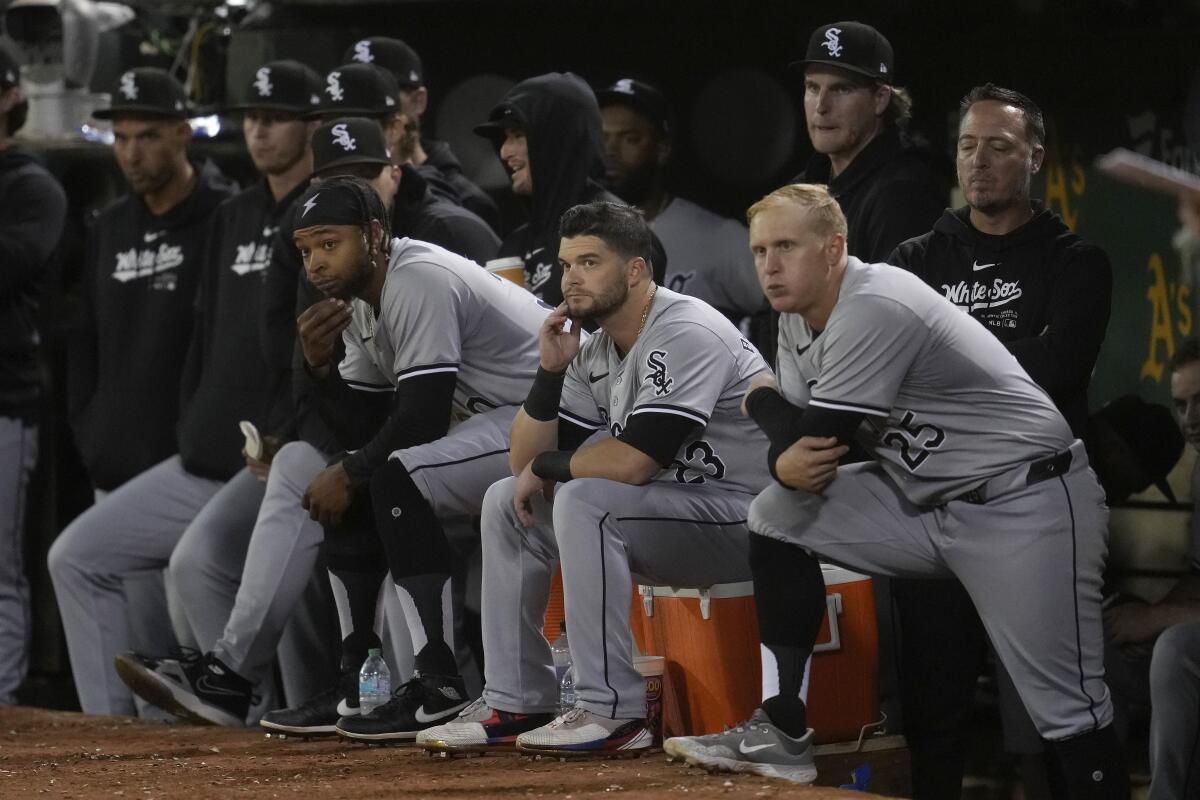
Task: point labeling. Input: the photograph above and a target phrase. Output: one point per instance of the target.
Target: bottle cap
(375, 651)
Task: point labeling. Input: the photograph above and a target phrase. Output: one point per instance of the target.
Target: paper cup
(652, 668)
(512, 268)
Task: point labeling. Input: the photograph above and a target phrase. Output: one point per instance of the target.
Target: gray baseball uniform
(687, 527)
(442, 313)
(977, 476)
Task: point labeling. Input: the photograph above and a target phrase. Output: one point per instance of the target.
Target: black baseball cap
(282, 86)
(10, 70)
(1150, 433)
(852, 46)
(146, 90)
(642, 98)
(391, 54)
(358, 90)
(348, 141)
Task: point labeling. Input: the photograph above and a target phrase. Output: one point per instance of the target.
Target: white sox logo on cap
(129, 86)
(9, 77)
(333, 86)
(362, 52)
(342, 138)
(625, 86)
(413, 76)
(310, 204)
(262, 81)
(832, 42)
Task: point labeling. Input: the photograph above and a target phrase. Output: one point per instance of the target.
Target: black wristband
(542, 402)
(553, 465)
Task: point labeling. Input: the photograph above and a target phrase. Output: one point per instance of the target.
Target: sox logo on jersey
(656, 361)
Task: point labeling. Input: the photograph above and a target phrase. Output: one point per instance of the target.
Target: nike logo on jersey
(593, 378)
(150, 237)
(753, 748)
(422, 717)
(802, 350)
(977, 266)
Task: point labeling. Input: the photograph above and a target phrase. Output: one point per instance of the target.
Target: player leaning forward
(975, 474)
(663, 498)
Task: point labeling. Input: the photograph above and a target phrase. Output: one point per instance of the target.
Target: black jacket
(33, 208)
(137, 300)
(1040, 289)
(892, 190)
(561, 120)
(228, 377)
(440, 157)
(420, 214)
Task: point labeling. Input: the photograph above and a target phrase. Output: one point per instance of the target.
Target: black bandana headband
(333, 202)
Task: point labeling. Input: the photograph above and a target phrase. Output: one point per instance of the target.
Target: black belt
(1041, 470)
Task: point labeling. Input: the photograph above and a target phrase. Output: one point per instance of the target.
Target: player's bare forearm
(616, 461)
(529, 437)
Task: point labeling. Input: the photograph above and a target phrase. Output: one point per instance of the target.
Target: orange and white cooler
(710, 640)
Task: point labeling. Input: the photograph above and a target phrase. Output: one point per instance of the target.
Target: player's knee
(1176, 654)
(497, 507)
(72, 552)
(579, 493)
(776, 510)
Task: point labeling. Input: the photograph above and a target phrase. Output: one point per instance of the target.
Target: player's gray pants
(129, 536)
(274, 601)
(604, 533)
(1030, 559)
(1175, 713)
(18, 455)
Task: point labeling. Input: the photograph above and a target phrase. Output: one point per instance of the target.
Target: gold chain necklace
(646, 310)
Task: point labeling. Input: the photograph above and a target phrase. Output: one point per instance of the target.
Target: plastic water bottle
(561, 651)
(566, 690)
(374, 682)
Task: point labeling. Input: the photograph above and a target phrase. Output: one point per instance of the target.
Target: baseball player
(442, 342)
(35, 208)
(145, 257)
(707, 253)
(974, 474)
(1045, 293)
(663, 496)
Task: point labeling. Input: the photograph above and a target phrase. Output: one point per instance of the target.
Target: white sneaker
(580, 732)
(755, 746)
(479, 728)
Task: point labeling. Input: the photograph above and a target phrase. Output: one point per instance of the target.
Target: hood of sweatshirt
(561, 120)
(1045, 225)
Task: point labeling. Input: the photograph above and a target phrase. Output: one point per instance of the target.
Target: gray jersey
(442, 313)
(947, 406)
(708, 256)
(688, 361)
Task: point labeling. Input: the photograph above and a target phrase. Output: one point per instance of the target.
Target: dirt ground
(59, 754)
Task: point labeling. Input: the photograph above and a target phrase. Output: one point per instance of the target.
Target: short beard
(637, 185)
(607, 304)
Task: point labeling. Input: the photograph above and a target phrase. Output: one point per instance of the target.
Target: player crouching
(665, 497)
(974, 475)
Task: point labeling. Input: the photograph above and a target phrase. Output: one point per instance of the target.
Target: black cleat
(422, 703)
(319, 715)
(195, 687)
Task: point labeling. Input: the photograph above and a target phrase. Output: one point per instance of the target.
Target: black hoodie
(228, 377)
(561, 121)
(137, 298)
(1040, 289)
(894, 189)
(469, 196)
(32, 211)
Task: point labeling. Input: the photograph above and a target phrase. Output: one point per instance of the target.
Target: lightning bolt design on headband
(310, 203)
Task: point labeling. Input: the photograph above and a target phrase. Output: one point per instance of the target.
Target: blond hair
(824, 214)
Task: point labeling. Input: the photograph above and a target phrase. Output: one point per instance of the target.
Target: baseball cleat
(423, 702)
(579, 732)
(193, 686)
(318, 716)
(478, 729)
(756, 746)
